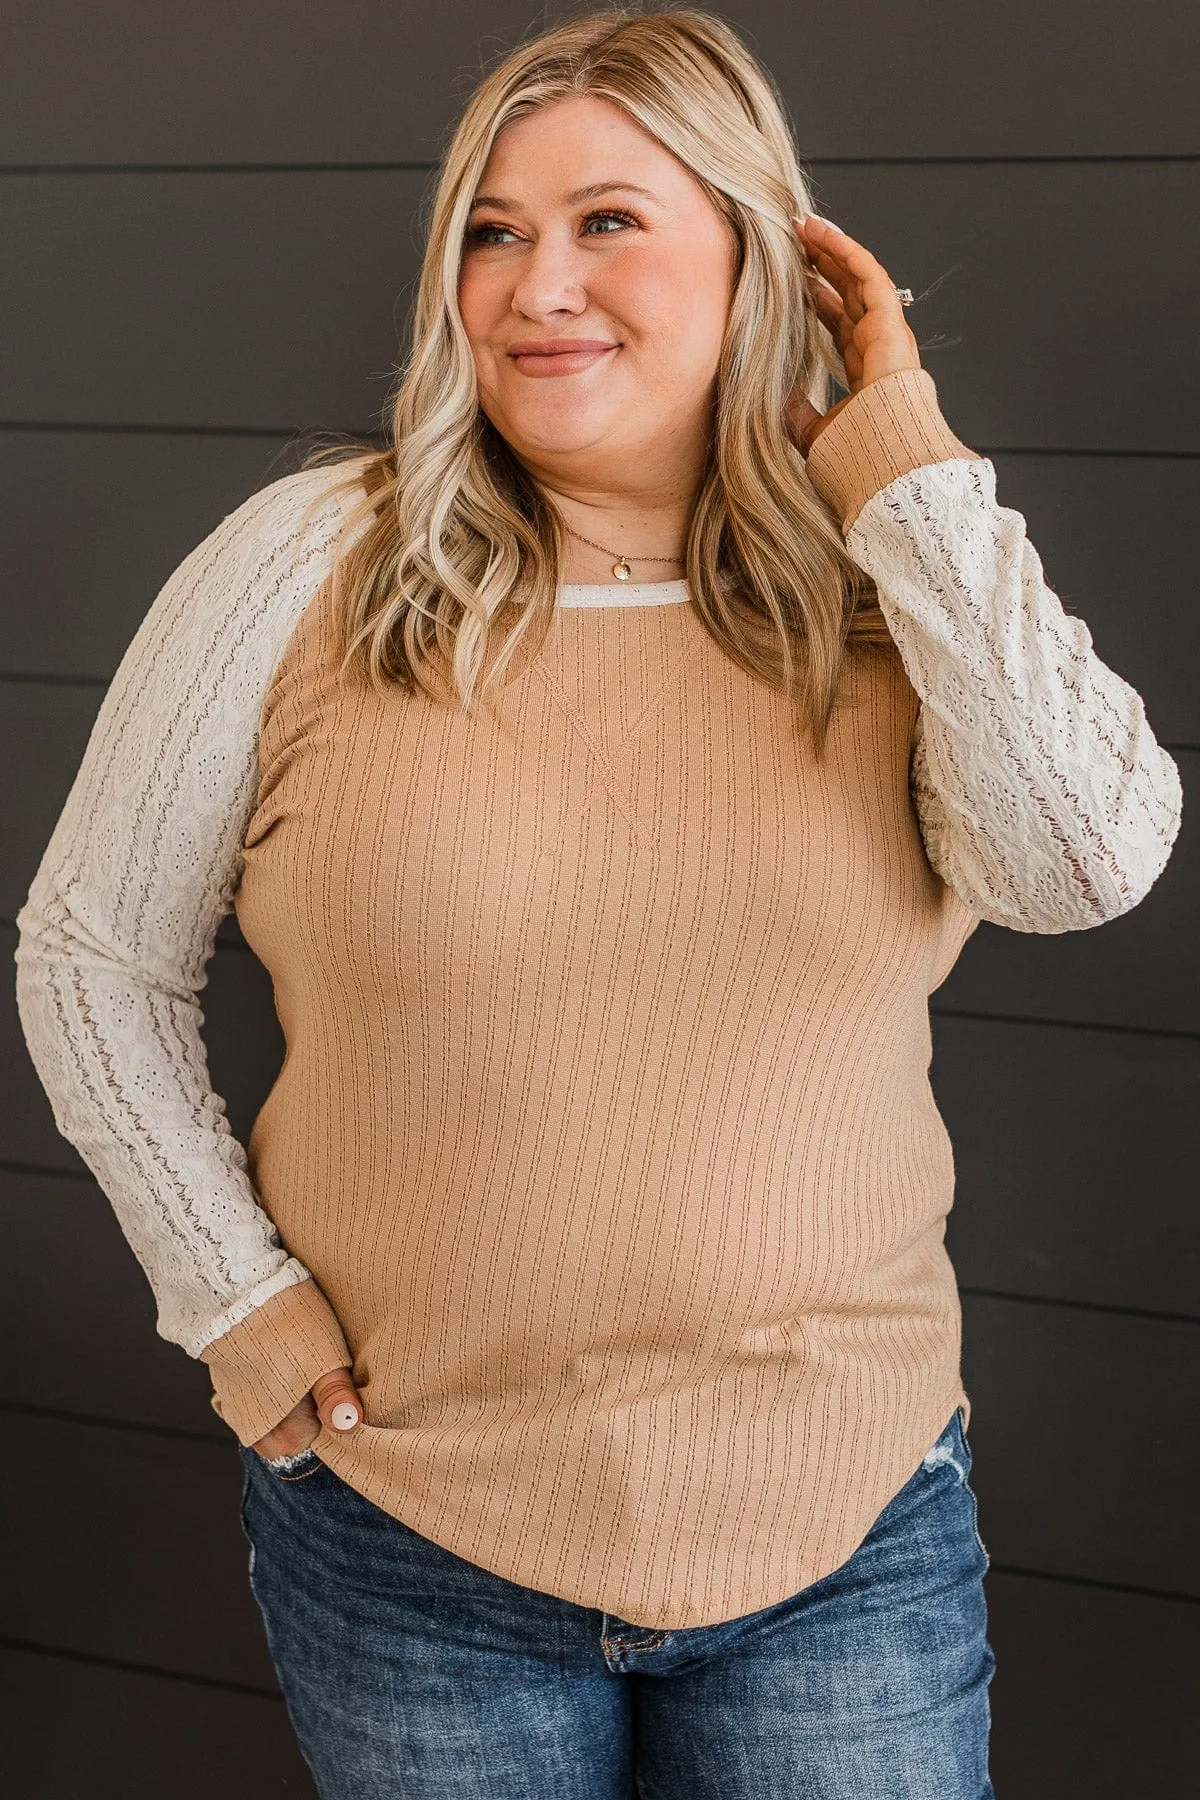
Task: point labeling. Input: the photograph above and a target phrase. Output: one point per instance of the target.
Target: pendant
(622, 570)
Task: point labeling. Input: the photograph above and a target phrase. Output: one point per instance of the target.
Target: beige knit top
(603, 1149)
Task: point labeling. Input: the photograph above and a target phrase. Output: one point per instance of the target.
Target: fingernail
(825, 221)
(344, 1417)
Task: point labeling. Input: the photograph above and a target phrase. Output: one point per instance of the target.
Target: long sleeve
(1044, 799)
(120, 923)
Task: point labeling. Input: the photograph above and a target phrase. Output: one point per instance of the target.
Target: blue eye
(620, 217)
(478, 234)
(489, 236)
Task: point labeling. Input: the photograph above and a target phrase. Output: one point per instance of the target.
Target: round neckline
(623, 593)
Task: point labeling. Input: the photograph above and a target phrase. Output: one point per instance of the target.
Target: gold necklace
(621, 568)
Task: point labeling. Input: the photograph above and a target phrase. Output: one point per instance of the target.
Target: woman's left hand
(858, 303)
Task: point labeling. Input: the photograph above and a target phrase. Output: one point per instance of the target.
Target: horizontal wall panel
(362, 82)
(127, 1544)
(77, 1316)
(1054, 1129)
(1116, 542)
(44, 729)
(1094, 1692)
(1016, 247)
(242, 1033)
(152, 1569)
(240, 1030)
(79, 1731)
(1075, 1155)
(282, 81)
(1086, 1463)
(1113, 533)
(278, 300)
(92, 524)
(240, 300)
(1142, 969)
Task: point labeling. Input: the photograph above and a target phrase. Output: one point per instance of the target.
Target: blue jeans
(411, 1674)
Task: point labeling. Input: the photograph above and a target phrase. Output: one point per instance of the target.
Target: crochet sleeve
(120, 923)
(1044, 800)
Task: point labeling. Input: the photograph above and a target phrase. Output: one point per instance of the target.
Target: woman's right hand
(329, 1402)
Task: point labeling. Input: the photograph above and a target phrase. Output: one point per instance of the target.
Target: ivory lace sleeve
(121, 918)
(1045, 801)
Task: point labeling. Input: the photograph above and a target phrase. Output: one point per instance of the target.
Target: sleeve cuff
(268, 1362)
(887, 428)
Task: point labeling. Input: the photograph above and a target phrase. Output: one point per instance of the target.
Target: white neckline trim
(623, 593)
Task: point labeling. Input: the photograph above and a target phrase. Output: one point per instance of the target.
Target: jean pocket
(297, 1466)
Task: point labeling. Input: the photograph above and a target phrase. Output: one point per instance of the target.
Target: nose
(549, 281)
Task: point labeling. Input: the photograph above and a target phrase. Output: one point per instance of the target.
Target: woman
(607, 771)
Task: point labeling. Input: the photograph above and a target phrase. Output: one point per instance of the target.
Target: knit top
(603, 1150)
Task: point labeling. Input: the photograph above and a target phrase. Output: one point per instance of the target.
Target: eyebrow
(584, 193)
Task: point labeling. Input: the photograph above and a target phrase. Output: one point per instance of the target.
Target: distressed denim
(411, 1674)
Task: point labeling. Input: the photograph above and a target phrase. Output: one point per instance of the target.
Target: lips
(559, 356)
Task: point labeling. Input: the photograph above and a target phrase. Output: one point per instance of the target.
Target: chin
(558, 430)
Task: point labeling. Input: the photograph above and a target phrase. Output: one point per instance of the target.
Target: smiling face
(595, 286)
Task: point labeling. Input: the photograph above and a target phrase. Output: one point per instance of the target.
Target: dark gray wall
(211, 225)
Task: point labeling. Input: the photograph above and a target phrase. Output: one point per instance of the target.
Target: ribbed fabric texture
(861, 451)
(604, 1124)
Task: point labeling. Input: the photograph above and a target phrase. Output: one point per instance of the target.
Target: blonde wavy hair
(459, 528)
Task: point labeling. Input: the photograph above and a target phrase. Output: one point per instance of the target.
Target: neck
(650, 534)
(645, 523)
